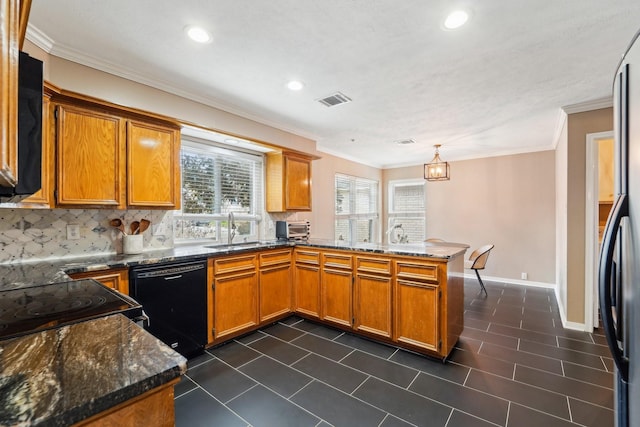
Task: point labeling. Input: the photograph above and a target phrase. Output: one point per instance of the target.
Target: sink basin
(235, 246)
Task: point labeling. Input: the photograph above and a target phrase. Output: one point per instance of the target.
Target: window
(356, 209)
(215, 182)
(406, 211)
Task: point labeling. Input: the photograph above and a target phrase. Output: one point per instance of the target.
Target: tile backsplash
(41, 234)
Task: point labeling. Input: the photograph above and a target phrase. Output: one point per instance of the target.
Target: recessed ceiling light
(456, 19)
(295, 85)
(198, 34)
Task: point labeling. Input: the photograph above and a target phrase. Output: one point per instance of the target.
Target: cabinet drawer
(307, 257)
(373, 265)
(268, 259)
(336, 260)
(417, 271)
(234, 264)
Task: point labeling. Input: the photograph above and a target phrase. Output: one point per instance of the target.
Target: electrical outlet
(524, 276)
(73, 232)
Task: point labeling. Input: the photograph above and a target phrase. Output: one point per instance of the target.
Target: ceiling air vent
(335, 99)
(405, 142)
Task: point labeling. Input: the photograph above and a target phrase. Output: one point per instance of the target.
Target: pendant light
(436, 170)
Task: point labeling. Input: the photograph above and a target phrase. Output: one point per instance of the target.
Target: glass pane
(408, 198)
(366, 196)
(364, 230)
(343, 194)
(410, 230)
(195, 229)
(198, 183)
(342, 230)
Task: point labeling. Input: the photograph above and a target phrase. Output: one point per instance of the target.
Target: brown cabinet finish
(416, 314)
(274, 284)
(153, 165)
(90, 158)
(288, 182)
(336, 290)
(117, 279)
(235, 295)
(306, 285)
(9, 16)
(114, 157)
(372, 296)
(153, 408)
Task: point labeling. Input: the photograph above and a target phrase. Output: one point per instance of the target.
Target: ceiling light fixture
(436, 170)
(198, 34)
(295, 85)
(456, 19)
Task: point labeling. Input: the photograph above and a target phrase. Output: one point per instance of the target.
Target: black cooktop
(36, 308)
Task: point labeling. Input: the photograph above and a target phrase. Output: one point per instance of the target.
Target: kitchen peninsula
(404, 295)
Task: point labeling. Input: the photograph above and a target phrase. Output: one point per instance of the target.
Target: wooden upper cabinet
(90, 158)
(114, 157)
(288, 182)
(9, 29)
(153, 176)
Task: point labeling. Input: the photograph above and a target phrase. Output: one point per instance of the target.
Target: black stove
(36, 308)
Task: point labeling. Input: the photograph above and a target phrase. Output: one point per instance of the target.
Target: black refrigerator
(619, 275)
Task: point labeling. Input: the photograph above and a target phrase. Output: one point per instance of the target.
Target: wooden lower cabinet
(117, 279)
(235, 295)
(153, 408)
(412, 302)
(306, 286)
(275, 284)
(372, 296)
(336, 288)
(417, 314)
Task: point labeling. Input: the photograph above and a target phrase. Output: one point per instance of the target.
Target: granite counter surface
(16, 275)
(442, 250)
(61, 376)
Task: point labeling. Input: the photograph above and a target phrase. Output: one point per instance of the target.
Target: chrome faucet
(231, 228)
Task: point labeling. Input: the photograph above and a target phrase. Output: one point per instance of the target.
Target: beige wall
(578, 126)
(79, 78)
(502, 200)
(324, 170)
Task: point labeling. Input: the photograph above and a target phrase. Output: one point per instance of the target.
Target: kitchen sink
(236, 246)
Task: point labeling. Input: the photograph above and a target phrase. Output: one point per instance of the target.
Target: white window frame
(395, 217)
(195, 144)
(353, 217)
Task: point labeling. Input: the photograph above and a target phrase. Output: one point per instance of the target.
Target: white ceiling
(495, 86)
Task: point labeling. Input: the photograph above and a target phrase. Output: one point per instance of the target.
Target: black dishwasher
(174, 297)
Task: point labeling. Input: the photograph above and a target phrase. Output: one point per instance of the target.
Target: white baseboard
(565, 324)
(511, 281)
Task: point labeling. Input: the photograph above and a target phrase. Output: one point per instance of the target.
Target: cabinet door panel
(417, 314)
(373, 305)
(117, 279)
(307, 290)
(298, 184)
(90, 150)
(337, 296)
(236, 303)
(153, 165)
(275, 292)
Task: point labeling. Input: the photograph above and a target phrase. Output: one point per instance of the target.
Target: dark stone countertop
(441, 250)
(61, 376)
(17, 275)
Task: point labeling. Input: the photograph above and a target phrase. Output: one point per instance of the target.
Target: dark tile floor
(514, 365)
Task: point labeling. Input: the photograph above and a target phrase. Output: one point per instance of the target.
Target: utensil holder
(132, 244)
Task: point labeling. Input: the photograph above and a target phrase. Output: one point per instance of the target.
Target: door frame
(592, 245)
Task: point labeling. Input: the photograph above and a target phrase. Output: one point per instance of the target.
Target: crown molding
(595, 104)
(40, 39)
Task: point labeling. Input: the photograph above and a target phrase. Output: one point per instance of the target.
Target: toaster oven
(292, 230)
